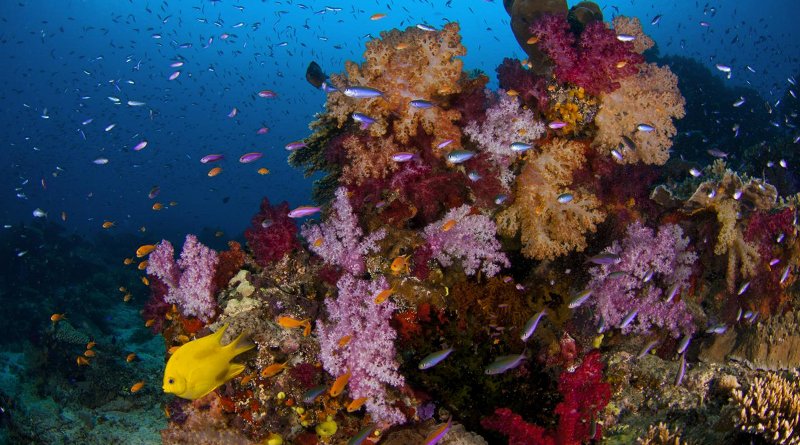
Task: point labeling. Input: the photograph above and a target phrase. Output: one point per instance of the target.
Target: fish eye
(171, 381)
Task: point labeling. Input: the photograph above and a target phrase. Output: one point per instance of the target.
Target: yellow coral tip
(273, 439)
(327, 428)
(281, 395)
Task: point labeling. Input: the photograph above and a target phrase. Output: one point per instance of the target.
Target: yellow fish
(202, 365)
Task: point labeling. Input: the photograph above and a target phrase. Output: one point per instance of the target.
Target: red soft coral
(230, 261)
(594, 61)
(532, 89)
(273, 234)
(519, 431)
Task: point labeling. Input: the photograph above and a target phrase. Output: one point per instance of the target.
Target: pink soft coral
(272, 234)
(595, 61)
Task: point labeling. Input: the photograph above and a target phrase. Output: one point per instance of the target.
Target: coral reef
(661, 435)
(272, 234)
(547, 226)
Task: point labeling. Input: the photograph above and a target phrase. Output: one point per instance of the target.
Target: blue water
(68, 57)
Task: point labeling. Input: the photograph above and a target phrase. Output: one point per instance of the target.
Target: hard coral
(595, 61)
(547, 226)
(770, 409)
(664, 259)
(369, 355)
(272, 233)
(649, 97)
(405, 66)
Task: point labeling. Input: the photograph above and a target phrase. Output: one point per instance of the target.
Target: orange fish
(127, 297)
(345, 340)
(356, 404)
(377, 16)
(339, 384)
(246, 379)
(263, 171)
(108, 224)
(82, 361)
(88, 353)
(400, 264)
(123, 289)
(621, 64)
(127, 261)
(401, 46)
(172, 350)
(157, 206)
(131, 357)
(383, 295)
(142, 265)
(145, 281)
(137, 386)
(149, 323)
(318, 242)
(145, 249)
(289, 322)
(449, 225)
(183, 338)
(532, 40)
(214, 172)
(55, 318)
(273, 369)
(90, 345)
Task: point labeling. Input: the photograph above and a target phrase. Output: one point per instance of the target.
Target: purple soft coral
(469, 238)
(369, 355)
(647, 262)
(190, 280)
(339, 240)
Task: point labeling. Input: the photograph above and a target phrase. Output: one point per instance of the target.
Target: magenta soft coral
(584, 394)
(531, 88)
(272, 234)
(593, 61)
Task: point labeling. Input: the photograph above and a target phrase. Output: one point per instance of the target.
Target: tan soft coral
(547, 227)
(406, 65)
(650, 97)
(368, 158)
(633, 27)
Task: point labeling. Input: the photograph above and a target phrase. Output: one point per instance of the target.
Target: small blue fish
(626, 37)
(365, 120)
(519, 147)
(672, 291)
(402, 156)
(425, 27)
(459, 156)
(628, 319)
(434, 358)
(564, 198)
(605, 258)
(645, 128)
(655, 20)
(474, 176)
(504, 363)
(580, 298)
(362, 435)
(311, 395)
(421, 104)
(500, 199)
(718, 329)
(739, 102)
(681, 371)
(684, 343)
(646, 349)
(530, 326)
(360, 92)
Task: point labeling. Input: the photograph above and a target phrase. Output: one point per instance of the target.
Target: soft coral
(273, 234)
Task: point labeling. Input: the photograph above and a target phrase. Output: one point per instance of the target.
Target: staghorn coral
(770, 408)
(427, 66)
(664, 259)
(633, 27)
(649, 97)
(661, 435)
(506, 122)
(468, 238)
(549, 228)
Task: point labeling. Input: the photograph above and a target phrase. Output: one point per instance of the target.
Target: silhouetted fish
(314, 75)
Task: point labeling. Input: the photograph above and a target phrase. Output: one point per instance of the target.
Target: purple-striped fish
(211, 158)
(250, 157)
(303, 211)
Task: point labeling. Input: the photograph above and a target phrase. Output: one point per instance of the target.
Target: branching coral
(339, 240)
(191, 280)
(549, 227)
(650, 97)
(426, 66)
(661, 435)
(648, 263)
(369, 356)
(468, 238)
(770, 408)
